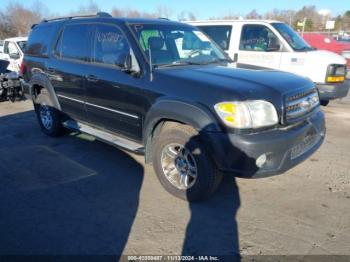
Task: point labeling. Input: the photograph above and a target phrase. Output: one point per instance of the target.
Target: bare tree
(116, 12)
(186, 16)
(90, 8)
(21, 18)
(346, 21)
(163, 11)
(253, 15)
(286, 16)
(6, 28)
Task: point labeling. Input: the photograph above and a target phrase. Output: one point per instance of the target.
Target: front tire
(49, 120)
(324, 102)
(182, 163)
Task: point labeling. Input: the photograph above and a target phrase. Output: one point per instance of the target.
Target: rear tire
(324, 102)
(50, 120)
(182, 163)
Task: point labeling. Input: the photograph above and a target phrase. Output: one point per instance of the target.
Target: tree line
(17, 19)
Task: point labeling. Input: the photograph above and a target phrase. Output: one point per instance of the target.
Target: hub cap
(179, 166)
(46, 117)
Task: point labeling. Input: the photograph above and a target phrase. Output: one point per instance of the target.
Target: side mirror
(14, 56)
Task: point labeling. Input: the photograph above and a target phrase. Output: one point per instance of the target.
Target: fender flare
(191, 114)
(47, 95)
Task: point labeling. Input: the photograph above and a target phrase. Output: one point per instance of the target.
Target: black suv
(165, 90)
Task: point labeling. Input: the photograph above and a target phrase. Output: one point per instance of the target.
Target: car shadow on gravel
(212, 229)
(64, 196)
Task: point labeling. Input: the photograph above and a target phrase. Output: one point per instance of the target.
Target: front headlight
(336, 73)
(248, 114)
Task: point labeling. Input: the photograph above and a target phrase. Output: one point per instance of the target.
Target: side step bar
(104, 136)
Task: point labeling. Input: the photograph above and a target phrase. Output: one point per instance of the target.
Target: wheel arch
(181, 112)
(47, 94)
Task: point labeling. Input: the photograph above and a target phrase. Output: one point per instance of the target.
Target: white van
(13, 51)
(273, 44)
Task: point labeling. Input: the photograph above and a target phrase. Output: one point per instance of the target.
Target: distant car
(13, 51)
(325, 42)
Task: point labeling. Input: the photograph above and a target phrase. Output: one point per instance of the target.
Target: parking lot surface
(75, 195)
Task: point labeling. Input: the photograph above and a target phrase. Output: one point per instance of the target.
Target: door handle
(91, 78)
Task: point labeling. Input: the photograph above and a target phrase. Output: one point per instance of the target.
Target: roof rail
(164, 18)
(99, 14)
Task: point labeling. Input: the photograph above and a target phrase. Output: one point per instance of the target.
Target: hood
(326, 57)
(234, 81)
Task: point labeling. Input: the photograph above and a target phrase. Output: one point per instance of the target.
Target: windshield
(293, 38)
(173, 45)
(22, 45)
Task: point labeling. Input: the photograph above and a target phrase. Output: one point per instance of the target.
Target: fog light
(261, 161)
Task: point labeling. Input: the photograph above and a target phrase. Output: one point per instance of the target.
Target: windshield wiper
(219, 60)
(305, 48)
(177, 63)
(184, 63)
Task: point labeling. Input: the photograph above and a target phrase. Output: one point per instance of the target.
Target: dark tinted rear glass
(74, 42)
(110, 46)
(39, 40)
(221, 34)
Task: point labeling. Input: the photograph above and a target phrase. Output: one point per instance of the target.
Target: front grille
(300, 104)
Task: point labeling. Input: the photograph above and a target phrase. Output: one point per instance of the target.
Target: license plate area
(309, 141)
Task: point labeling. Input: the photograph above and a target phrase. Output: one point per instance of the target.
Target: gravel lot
(74, 195)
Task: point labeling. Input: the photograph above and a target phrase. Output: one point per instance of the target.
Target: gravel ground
(74, 195)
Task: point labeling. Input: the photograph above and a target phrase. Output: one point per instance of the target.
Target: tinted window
(38, 41)
(221, 34)
(176, 45)
(258, 38)
(74, 42)
(110, 45)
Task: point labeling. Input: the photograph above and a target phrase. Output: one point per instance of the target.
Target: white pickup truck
(13, 51)
(273, 44)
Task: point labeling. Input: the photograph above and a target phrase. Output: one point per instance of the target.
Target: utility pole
(304, 23)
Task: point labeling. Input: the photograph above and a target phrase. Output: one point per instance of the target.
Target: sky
(202, 9)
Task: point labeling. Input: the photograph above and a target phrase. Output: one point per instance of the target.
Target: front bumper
(333, 91)
(237, 154)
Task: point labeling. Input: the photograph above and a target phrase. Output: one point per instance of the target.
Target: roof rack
(99, 14)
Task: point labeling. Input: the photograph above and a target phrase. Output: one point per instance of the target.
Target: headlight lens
(336, 73)
(248, 114)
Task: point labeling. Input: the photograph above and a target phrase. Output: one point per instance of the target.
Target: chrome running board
(104, 136)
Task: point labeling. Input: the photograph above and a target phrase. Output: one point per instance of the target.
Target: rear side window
(39, 41)
(110, 45)
(221, 34)
(74, 42)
